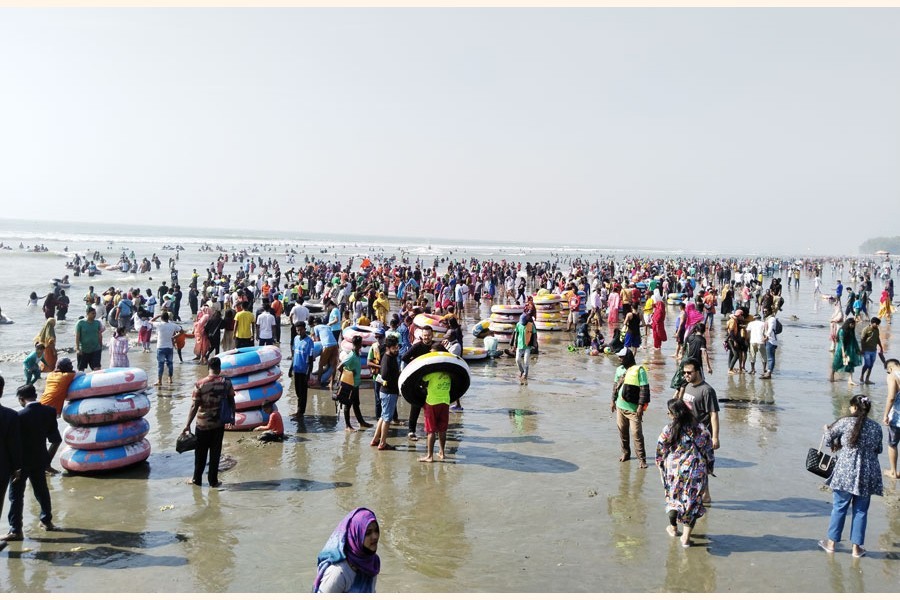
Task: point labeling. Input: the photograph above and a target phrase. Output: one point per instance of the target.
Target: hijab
(346, 543)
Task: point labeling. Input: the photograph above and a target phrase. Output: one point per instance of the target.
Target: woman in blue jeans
(857, 473)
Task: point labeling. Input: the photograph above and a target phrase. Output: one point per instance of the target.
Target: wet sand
(530, 499)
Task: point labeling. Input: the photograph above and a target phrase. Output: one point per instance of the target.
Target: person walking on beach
(390, 374)
(329, 358)
(206, 401)
(630, 397)
(685, 459)
(857, 440)
(10, 450)
(165, 346)
(244, 326)
(771, 336)
(89, 341)
(523, 341)
(756, 330)
(47, 337)
(349, 560)
(348, 394)
(437, 414)
(701, 398)
(891, 417)
(846, 352)
(37, 426)
(870, 345)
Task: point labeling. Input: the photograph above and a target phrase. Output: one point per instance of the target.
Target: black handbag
(818, 462)
(186, 442)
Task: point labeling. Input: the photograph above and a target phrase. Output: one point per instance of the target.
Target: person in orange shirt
(277, 310)
(273, 430)
(57, 387)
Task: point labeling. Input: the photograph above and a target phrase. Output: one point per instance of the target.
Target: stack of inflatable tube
(412, 384)
(368, 338)
(503, 320)
(254, 372)
(549, 315)
(105, 411)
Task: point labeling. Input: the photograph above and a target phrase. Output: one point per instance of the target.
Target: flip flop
(824, 547)
(862, 552)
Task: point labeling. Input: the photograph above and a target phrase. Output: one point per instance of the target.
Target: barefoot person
(437, 413)
(685, 458)
(390, 373)
(892, 414)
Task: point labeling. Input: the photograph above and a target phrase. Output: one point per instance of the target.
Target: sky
(730, 130)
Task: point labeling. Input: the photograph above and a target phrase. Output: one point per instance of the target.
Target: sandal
(862, 552)
(386, 447)
(825, 547)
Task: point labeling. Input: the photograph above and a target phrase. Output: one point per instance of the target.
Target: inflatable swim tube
(503, 338)
(107, 382)
(257, 378)
(507, 309)
(548, 325)
(248, 360)
(473, 353)
(542, 299)
(257, 396)
(504, 318)
(411, 384)
(73, 459)
(366, 333)
(248, 419)
(423, 319)
(503, 327)
(106, 409)
(106, 436)
(481, 329)
(675, 296)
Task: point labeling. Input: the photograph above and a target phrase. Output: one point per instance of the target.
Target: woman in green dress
(846, 352)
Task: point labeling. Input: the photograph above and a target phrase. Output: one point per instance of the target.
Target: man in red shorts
(437, 413)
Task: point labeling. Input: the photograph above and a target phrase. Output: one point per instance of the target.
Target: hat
(623, 352)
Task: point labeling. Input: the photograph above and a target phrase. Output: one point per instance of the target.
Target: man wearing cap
(631, 395)
(37, 426)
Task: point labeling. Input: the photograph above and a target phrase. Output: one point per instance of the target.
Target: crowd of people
(616, 306)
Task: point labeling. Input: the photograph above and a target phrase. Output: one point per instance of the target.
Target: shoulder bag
(818, 462)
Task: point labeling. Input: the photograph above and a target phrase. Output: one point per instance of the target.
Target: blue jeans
(770, 356)
(841, 503)
(522, 356)
(38, 478)
(163, 357)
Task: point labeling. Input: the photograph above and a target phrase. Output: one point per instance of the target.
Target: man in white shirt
(771, 344)
(756, 329)
(265, 326)
(298, 314)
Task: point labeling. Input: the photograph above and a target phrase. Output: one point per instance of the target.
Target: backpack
(777, 327)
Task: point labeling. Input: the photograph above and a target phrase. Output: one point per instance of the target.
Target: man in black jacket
(37, 425)
(10, 450)
(390, 374)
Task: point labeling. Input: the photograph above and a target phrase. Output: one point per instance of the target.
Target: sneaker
(456, 409)
(411, 435)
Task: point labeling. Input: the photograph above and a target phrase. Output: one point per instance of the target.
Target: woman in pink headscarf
(201, 342)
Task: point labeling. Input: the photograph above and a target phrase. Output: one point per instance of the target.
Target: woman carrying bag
(857, 439)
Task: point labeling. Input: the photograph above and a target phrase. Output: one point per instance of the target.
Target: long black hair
(682, 417)
(863, 406)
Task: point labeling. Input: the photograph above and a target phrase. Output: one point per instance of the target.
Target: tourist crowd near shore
(634, 310)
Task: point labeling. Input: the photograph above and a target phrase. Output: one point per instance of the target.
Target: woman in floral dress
(684, 456)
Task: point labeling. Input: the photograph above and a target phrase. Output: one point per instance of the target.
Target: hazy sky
(703, 129)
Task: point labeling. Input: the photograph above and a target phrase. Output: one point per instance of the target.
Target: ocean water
(531, 498)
